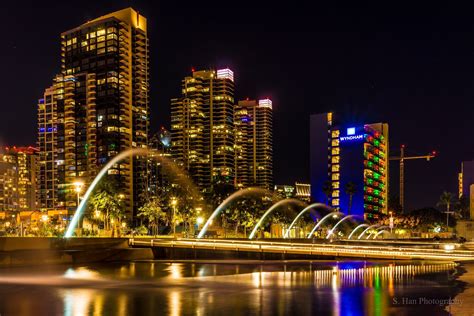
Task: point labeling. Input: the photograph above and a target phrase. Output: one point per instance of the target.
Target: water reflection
(344, 288)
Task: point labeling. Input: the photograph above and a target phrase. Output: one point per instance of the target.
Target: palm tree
(327, 190)
(350, 190)
(446, 198)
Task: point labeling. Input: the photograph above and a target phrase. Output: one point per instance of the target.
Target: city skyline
(292, 138)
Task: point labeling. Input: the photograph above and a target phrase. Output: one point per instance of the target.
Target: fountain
(381, 227)
(372, 226)
(337, 224)
(181, 177)
(271, 209)
(355, 229)
(380, 232)
(314, 205)
(229, 199)
(336, 213)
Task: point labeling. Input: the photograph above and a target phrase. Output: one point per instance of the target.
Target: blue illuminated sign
(351, 138)
(351, 131)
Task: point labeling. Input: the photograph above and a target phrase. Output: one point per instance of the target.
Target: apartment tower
(96, 108)
(254, 144)
(202, 127)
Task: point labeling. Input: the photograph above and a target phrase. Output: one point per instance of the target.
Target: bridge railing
(305, 248)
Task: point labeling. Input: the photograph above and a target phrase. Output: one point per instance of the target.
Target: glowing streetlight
(199, 221)
(44, 218)
(391, 222)
(78, 188)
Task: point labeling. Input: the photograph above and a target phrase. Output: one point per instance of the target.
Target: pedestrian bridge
(353, 250)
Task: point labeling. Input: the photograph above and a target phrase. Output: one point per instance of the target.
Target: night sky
(412, 67)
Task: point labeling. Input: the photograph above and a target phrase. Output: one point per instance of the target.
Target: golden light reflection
(175, 270)
(174, 302)
(122, 302)
(336, 299)
(77, 301)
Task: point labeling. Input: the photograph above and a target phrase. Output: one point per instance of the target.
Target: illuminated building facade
(254, 143)
(158, 179)
(100, 108)
(303, 191)
(285, 191)
(466, 184)
(202, 127)
(349, 164)
(50, 143)
(18, 171)
(300, 191)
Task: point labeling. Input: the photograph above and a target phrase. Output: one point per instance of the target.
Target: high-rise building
(466, 184)
(97, 107)
(158, 179)
(253, 143)
(18, 170)
(466, 177)
(50, 144)
(202, 127)
(349, 164)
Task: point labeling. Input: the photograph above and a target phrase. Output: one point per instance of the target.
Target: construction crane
(402, 159)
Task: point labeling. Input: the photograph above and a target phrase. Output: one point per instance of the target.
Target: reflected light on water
(336, 300)
(78, 302)
(175, 302)
(258, 279)
(81, 274)
(122, 305)
(198, 288)
(175, 270)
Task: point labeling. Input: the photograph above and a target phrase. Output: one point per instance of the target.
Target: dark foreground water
(233, 288)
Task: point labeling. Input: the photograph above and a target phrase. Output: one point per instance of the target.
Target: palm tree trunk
(350, 205)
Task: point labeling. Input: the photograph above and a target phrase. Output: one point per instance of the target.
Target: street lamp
(199, 221)
(391, 223)
(174, 201)
(78, 188)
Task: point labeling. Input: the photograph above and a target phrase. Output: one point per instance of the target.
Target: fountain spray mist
(271, 209)
(169, 165)
(232, 197)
